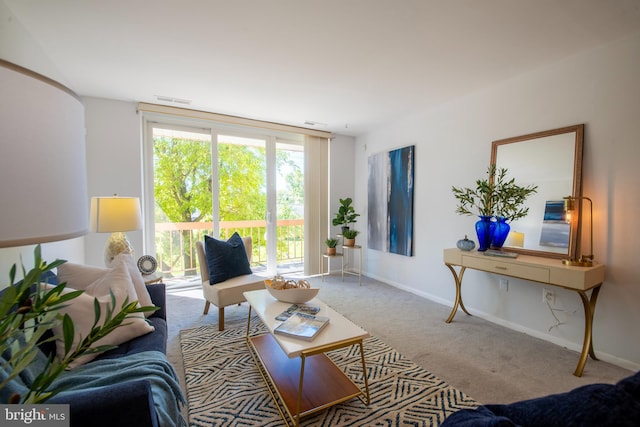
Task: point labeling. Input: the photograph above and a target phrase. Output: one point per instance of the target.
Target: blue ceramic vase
(500, 232)
(484, 231)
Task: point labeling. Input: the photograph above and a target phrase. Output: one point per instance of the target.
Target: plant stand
(345, 262)
(329, 258)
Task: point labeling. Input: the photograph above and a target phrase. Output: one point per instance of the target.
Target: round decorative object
(293, 295)
(289, 290)
(147, 264)
(466, 244)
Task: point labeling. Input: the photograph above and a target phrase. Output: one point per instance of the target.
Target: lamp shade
(515, 239)
(43, 174)
(114, 214)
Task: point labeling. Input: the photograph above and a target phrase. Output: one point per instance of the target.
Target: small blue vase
(500, 232)
(484, 231)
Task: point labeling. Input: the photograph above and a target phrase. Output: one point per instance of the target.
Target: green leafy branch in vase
(28, 310)
(494, 195)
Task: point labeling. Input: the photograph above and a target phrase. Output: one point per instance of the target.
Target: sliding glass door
(216, 181)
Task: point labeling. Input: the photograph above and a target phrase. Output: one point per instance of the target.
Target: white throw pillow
(81, 311)
(136, 277)
(79, 276)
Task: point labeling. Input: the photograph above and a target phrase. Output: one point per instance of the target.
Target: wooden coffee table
(300, 377)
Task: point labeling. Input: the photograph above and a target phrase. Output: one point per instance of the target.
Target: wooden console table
(547, 271)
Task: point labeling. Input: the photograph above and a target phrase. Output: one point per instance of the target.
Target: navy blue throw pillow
(226, 259)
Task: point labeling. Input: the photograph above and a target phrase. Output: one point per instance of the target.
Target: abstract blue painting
(390, 201)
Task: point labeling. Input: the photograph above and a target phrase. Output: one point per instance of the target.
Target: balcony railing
(176, 243)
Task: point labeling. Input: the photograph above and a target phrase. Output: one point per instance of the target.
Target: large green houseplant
(28, 310)
(346, 215)
(493, 196)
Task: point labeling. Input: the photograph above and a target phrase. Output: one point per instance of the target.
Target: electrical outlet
(503, 285)
(548, 296)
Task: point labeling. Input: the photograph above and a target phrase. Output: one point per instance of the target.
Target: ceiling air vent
(173, 100)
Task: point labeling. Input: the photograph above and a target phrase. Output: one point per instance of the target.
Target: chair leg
(221, 319)
(206, 307)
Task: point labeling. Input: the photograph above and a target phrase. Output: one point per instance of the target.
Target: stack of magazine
(301, 322)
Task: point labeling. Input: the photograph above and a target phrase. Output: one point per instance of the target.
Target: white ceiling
(351, 65)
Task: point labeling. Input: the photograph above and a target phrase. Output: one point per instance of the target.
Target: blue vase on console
(484, 231)
(500, 232)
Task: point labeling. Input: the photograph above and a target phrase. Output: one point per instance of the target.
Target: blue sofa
(131, 385)
(597, 405)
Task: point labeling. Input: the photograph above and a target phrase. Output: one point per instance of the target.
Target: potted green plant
(494, 196)
(27, 311)
(346, 214)
(331, 245)
(350, 237)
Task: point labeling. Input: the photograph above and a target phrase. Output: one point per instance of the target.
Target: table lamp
(569, 206)
(515, 239)
(115, 215)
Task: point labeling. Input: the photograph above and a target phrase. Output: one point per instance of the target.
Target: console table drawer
(492, 265)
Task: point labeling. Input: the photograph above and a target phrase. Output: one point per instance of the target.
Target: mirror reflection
(552, 160)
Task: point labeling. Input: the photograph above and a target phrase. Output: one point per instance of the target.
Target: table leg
(364, 374)
(589, 305)
(296, 417)
(360, 268)
(458, 303)
(249, 322)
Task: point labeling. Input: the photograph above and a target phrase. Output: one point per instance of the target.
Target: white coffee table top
(339, 328)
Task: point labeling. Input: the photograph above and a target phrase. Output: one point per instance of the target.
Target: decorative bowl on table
(290, 291)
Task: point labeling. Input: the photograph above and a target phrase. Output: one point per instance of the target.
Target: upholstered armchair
(229, 291)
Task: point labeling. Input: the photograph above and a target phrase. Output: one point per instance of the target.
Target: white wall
(600, 88)
(114, 163)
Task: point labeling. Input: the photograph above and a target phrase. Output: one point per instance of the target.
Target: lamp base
(582, 262)
(117, 244)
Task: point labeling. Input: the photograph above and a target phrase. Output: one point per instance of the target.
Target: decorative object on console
(515, 239)
(466, 244)
(115, 215)
(147, 264)
(494, 196)
(584, 260)
(500, 232)
(484, 231)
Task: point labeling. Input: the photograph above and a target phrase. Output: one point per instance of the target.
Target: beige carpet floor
(488, 362)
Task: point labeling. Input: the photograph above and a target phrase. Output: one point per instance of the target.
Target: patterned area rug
(224, 387)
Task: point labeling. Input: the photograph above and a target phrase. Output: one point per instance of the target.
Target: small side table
(155, 277)
(345, 262)
(328, 258)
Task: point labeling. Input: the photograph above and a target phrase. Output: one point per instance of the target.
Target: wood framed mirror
(552, 160)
